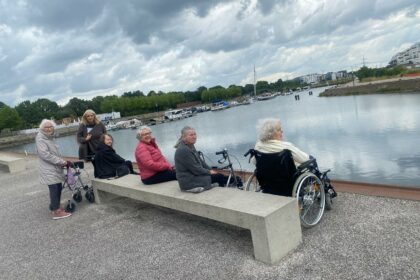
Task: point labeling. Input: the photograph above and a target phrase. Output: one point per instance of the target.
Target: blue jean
(55, 195)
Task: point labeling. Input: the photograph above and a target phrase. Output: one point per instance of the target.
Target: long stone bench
(12, 164)
(273, 220)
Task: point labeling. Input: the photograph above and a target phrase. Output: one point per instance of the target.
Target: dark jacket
(191, 170)
(107, 161)
(88, 148)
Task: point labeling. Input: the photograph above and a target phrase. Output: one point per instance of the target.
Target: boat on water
(172, 115)
(220, 105)
(265, 96)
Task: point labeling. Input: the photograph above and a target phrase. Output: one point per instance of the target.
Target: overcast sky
(84, 48)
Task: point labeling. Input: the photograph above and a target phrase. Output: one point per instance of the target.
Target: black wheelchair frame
(312, 189)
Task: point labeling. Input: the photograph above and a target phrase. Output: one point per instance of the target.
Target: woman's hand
(213, 171)
(88, 137)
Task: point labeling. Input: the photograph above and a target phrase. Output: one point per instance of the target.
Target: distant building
(410, 56)
(109, 116)
(310, 78)
(341, 74)
(331, 76)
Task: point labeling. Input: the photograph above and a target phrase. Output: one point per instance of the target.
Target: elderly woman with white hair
(51, 166)
(270, 140)
(154, 167)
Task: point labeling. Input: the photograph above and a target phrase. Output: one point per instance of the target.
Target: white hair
(267, 127)
(46, 121)
(143, 127)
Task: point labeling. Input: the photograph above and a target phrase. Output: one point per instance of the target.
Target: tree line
(29, 114)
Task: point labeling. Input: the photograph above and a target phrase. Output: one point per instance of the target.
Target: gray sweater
(191, 171)
(50, 161)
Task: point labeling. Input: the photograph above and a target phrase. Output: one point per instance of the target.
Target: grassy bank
(386, 86)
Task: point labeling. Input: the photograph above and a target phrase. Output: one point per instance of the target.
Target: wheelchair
(277, 174)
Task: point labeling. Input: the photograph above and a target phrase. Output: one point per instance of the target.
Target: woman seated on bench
(193, 174)
(154, 168)
(107, 162)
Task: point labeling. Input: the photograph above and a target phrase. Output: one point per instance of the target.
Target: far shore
(396, 85)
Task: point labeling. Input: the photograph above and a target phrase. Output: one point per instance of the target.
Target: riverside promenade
(363, 237)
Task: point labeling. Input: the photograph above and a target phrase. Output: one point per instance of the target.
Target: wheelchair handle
(222, 152)
(250, 151)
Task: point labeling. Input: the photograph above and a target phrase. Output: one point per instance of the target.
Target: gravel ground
(363, 237)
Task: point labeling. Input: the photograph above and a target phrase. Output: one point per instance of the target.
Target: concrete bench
(273, 220)
(12, 164)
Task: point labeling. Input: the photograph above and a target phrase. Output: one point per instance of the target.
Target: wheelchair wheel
(77, 196)
(328, 201)
(252, 184)
(310, 194)
(90, 196)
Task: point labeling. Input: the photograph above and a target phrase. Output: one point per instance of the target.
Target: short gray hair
(46, 121)
(143, 127)
(267, 127)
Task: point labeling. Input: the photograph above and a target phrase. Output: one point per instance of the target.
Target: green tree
(95, 104)
(249, 89)
(9, 118)
(77, 107)
(136, 93)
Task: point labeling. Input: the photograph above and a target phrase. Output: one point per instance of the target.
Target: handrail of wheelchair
(306, 164)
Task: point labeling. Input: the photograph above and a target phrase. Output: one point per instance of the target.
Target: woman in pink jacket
(154, 168)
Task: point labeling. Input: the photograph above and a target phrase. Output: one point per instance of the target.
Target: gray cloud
(84, 48)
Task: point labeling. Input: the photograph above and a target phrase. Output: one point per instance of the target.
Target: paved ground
(362, 238)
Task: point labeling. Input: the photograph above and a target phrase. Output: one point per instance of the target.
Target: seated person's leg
(130, 167)
(219, 179)
(164, 176)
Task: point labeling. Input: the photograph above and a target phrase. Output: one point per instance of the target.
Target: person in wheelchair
(107, 163)
(277, 160)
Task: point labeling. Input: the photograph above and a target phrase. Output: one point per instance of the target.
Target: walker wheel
(77, 197)
(90, 196)
(70, 207)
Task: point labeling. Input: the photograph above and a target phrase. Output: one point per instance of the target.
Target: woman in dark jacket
(192, 173)
(107, 162)
(88, 135)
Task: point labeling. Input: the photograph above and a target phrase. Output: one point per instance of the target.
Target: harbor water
(366, 138)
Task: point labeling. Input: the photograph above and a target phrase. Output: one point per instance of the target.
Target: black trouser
(130, 166)
(55, 196)
(220, 179)
(164, 176)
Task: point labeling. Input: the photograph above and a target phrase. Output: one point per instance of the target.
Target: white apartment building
(310, 78)
(409, 56)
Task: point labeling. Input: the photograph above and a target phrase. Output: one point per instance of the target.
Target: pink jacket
(150, 159)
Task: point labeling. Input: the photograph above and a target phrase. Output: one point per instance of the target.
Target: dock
(365, 236)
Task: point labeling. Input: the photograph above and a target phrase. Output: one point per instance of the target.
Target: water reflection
(361, 138)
